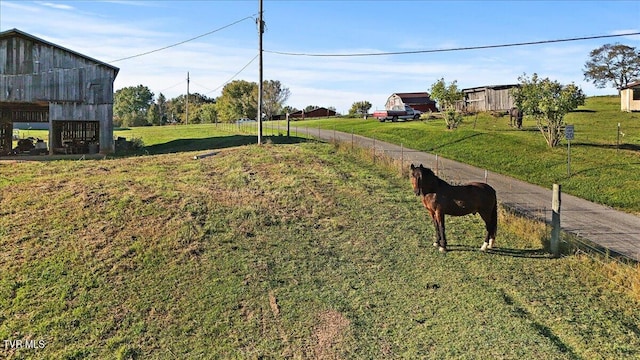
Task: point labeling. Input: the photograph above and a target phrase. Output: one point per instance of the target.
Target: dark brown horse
(441, 198)
(515, 117)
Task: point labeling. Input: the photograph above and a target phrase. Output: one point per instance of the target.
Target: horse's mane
(428, 173)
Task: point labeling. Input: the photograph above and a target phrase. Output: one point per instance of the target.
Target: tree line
(137, 105)
(546, 100)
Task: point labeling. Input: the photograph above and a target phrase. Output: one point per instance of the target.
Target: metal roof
(17, 33)
(631, 85)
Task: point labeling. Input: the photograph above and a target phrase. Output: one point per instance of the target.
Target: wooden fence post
(374, 150)
(401, 157)
(555, 220)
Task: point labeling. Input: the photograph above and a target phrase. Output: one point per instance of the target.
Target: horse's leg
(491, 223)
(443, 238)
(435, 225)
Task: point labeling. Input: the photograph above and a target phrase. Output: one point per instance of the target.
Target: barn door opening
(76, 137)
(21, 116)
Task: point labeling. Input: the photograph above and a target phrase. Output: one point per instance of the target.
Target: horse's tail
(493, 223)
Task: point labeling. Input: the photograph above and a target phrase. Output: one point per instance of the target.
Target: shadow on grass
(518, 253)
(625, 146)
(454, 142)
(211, 143)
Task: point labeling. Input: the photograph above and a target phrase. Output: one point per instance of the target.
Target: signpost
(568, 134)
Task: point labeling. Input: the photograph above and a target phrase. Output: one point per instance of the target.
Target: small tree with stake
(447, 96)
(548, 102)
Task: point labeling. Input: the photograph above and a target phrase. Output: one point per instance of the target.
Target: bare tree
(614, 64)
(274, 95)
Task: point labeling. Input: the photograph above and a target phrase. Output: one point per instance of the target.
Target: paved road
(604, 226)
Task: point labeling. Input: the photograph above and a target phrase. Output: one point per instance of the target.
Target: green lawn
(601, 171)
(298, 250)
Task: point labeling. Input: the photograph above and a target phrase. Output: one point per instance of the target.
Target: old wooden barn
(41, 82)
(487, 98)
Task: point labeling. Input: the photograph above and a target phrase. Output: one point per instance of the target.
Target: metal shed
(630, 97)
(487, 98)
(41, 82)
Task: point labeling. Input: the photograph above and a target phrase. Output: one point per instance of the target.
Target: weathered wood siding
(75, 87)
(496, 98)
(34, 72)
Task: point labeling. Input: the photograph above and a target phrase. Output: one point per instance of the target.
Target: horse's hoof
(435, 244)
(442, 250)
(484, 247)
(491, 241)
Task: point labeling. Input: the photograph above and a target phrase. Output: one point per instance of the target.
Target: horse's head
(422, 180)
(416, 179)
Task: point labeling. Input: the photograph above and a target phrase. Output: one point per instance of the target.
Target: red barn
(418, 101)
(319, 112)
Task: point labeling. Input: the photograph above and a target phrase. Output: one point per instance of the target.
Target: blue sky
(116, 29)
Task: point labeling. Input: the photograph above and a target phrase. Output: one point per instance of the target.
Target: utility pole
(186, 111)
(260, 32)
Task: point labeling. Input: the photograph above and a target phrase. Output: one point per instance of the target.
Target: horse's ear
(412, 167)
(421, 167)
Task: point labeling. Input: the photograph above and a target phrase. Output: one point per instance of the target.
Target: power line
(185, 41)
(234, 75)
(202, 86)
(172, 86)
(452, 49)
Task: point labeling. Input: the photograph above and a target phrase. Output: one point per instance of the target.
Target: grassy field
(601, 171)
(298, 250)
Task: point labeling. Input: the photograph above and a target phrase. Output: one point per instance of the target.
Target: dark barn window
(76, 137)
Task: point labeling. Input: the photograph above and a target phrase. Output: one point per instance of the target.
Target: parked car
(244, 120)
(394, 115)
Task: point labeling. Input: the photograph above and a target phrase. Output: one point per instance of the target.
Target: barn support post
(555, 221)
(52, 133)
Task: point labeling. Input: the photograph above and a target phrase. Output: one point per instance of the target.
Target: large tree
(177, 107)
(548, 102)
(130, 105)
(613, 64)
(360, 108)
(447, 96)
(161, 101)
(153, 115)
(239, 99)
(274, 95)
(207, 113)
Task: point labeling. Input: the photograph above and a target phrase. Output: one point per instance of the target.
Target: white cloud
(324, 81)
(56, 6)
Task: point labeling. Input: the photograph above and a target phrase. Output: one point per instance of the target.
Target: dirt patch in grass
(329, 333)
